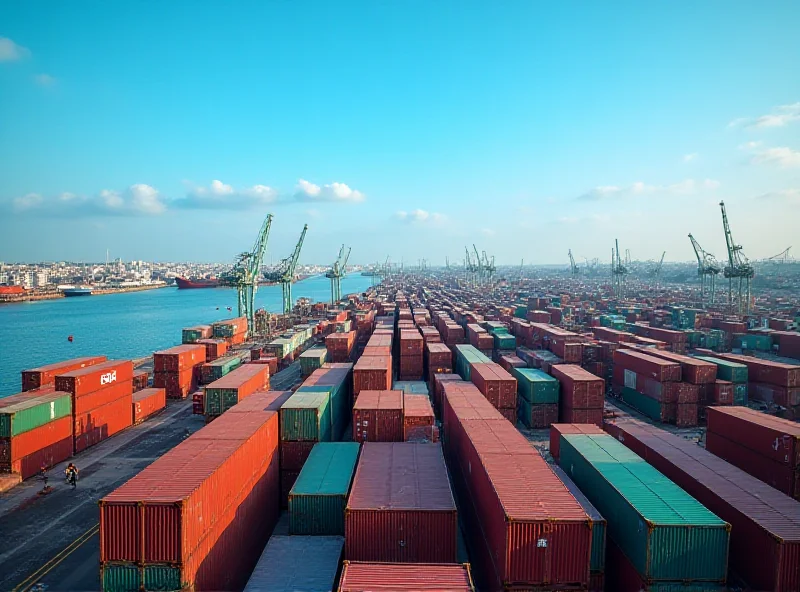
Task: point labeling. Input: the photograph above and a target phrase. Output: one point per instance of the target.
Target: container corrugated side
(306, 416)
(667, 534)
(419, 577)
(24, 416)
(294, 563)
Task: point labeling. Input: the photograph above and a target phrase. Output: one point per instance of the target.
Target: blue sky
(168, 130)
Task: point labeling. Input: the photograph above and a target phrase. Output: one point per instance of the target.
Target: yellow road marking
(55, 561)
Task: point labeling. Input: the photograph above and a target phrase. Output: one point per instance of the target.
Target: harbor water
(129, 325)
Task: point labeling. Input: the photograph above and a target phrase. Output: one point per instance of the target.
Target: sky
(167, 131)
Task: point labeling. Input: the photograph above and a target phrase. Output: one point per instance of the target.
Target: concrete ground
(51, 542)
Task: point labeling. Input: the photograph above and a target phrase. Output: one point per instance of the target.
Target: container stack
(765, 523)
(766, 447)
(498, 386)
(582, 395)
(372, 372)
(411, 354)
(219, 367)
(312, 359)
(419, 422)
(319, 496)
(411, 516)
(335, 380)
(228, 470)
(340, 346)
(141, 379)
(480, 339)
(438, 360)
(215, 348)
(466, 356)
(195, 334)
(684, 543)
(558, 429)
(537, 397)
(35, 430)
(771, 382)
(731, 386)
(147, 402)
(233, 331)
(378, 416)
(101, 401)
(46, 375)
(653, 386)
(222, 394)
(174, 369)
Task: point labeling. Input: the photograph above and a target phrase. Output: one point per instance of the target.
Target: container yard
(427, 434)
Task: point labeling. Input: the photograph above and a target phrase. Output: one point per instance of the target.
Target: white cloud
(11, 52)
(112, 199)
(781, 116)
(307, 191)
(781, 156)
(44, 80)
(568, 220)
(137, 199)
(690, 157)
(420, 217)
(786, 195)
(146, 199)
(27, 202)
(639, 188)
(221, 196)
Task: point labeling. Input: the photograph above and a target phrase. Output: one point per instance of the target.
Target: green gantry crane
(337, 272)
(244, 274)
(283, 273)
(738, 267)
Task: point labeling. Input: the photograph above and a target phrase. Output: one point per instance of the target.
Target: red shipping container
(774, 438)
(378, 416)
(585, 416)
(340, 346)
(177, 384)
(372, 373)
(92, 378)
(770, 393)
(579, 388)
(496, 384)
(94, 426)
(765, 523)
(759, 370)
(376, 350)
(28, 443)
(781, 476)
(216, 513)
(648, 366)
(411, 343)
(46, 375)
(543, 415)
(215, 348)
(148, 402)
(179, 358)
(509, 361)
(419, 577)
(294, 455)
(597, 582)
(685, 415)
(557, 429)
(141, 378)
(723, 392)
(418, 418)
(438, 388)
(401, 508)
(509, 414)
(99, 398)
(245, 380)
(439, 355)
(692, 370)
(198, 403)
(411, 367)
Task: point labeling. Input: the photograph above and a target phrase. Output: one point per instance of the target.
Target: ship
(78, 291)
(188, 284)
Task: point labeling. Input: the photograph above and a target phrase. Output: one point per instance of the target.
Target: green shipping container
(650, 407)
(319, 496)
(504, 341)
(313, 359)
(756, 342)
(730, 371)
(31, 413)
(221, 366)
(666, 534)
(740, 394)
(521, 312)
(338, 404)
(466, 355)
(536, 386)
(127, 577)
(306, 417)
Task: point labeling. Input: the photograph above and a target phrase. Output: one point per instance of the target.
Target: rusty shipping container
(496, 384)
(372, 373)
(774, 438)
(418, 419)
(401, 508)
(148, 402)
(392, 577)
(179, 358)
(765, 524)
(579, 389)
(141, 379)
(46, 375)
(378, 416)
(648, 366)
(177, 384)
(92, 378)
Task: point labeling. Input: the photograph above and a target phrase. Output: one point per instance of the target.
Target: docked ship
(188, 284)
(77, 291)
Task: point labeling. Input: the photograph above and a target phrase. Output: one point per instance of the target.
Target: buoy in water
(69, 338)
(229, 308)
(218, 308)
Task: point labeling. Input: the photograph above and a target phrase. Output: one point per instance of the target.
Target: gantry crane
(336, 273)
(618, 272)
(478, 265)
(707, 269)
(488, 266)
(782, 257)
(738, 268)
(244, 274)
(573, 269)
(469, 268)
(283, 273)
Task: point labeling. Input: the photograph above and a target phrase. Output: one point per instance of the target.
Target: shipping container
(318, 498)
(693, 370)
(765, 524)
(45, 445)
(195, 334)
(535, 386)
(378, 416)
(579, 389)
(216, 369)
(418, 419)
(497, 385)
(297, 563)
(771, 437)
(180, 357)
(87, 380)
(730, 371)
(557, 429)
(372, 373)
(235, 386)
(401, 508)
(306, 416)
(103, 396)
(177, 384)
(46, 375)
(682, 542)
(396, 577)
(648, 366)
(148, 402)
(22, 413)
(312, 359)
(94, 426)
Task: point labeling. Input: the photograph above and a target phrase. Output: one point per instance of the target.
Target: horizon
(409, 131)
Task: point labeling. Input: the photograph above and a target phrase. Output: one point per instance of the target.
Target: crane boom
(698, 251)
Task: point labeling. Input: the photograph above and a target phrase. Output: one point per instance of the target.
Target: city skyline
(403, 131)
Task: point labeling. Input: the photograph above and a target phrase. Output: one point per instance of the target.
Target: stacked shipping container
(538, 396)
(222, 394)
(175, 369)
(582, 395)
